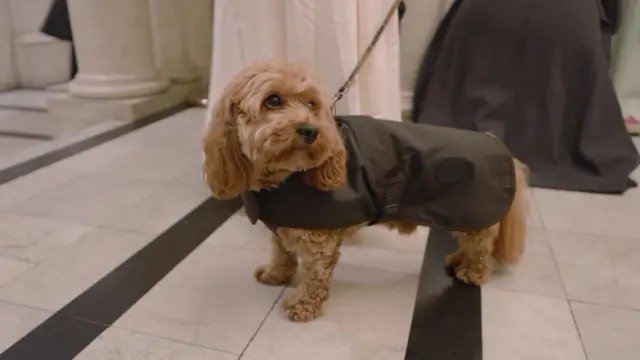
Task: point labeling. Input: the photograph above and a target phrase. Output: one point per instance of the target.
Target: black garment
(402, 9)
(428, 175)
(58, 25)
(611, 14)
(534, 73)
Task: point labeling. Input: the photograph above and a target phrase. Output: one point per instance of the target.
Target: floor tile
(25, 121)
(237, 232)
(65, 138)
(192, 174)
(159, 164)
(11, 269)
(367, 317)
(608, 333)
(54, 282)
(161, 209)
(599, 269)
(88, 199)
(24, 98)
(376, 247)
(518, 326)
(536, 274)
(97, 157)
(34, 183)
(533, 217)
(590, 213)
(382, 238)
(12, 145)
(210, 299)
(183, 130)
(118, 344)
(33, 239)
(17, 321)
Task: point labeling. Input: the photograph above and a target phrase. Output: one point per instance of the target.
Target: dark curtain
(536, 74)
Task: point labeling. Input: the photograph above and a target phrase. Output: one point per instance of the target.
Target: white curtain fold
(328, 35)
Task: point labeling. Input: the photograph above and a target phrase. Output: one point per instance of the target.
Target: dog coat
(428, 175)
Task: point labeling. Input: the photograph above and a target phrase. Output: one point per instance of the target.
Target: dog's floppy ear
(331, 174)
(226, 169)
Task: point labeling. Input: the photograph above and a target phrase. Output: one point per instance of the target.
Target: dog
(273, 123)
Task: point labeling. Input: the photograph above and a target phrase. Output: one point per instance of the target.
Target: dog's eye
(273, 101)
(312, 104)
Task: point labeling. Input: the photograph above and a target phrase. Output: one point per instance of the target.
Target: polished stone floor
(68, 225)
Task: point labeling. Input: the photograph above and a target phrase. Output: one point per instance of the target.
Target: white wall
(626, 62)
(417, 27)
(626, 59)
(28, 15)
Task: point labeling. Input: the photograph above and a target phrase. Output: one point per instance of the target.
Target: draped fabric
(327, 35)
(536, 74)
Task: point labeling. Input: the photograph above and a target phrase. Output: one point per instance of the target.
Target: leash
(347, 84)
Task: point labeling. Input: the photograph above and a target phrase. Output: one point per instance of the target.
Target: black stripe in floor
(24, 135)
(447, 319)
(71, 329)
(31, 165)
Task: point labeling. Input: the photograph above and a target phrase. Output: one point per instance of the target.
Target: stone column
(8, 74)
(200, 35)
(114, 49)
(169, 23)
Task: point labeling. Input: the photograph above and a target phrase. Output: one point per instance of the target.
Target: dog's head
(271, 120)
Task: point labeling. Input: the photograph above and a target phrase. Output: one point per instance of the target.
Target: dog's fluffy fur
(251, 144)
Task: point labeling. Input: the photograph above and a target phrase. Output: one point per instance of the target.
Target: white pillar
(114, 49)
(200, 35)
(169, 23)
(8, 74)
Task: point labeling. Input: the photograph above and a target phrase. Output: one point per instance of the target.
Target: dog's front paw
(302, 309)
(269, 275)
(474, 274)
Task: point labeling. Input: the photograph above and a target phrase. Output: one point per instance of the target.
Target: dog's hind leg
(282, 268)
(472, 262)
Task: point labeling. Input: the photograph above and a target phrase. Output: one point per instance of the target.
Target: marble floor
(120, 252)
(21, 129)
(27, 129)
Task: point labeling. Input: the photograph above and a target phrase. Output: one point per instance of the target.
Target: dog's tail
(511, 241)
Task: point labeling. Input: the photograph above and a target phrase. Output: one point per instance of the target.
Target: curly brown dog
(254, 142)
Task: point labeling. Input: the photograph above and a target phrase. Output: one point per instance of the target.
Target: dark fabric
(612, 14)
(402, 9)
(427, 175)
(535, 73)
(58, 25)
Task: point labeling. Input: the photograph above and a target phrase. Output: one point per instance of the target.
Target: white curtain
(327, 35)
(626, 59)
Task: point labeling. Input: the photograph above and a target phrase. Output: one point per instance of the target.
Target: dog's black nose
(308, 133)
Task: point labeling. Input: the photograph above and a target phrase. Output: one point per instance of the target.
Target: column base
(91, 86)
(84, 112)
(182, 75)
